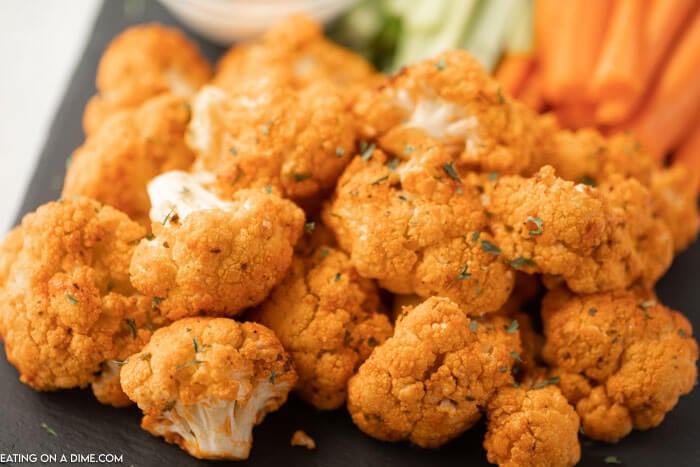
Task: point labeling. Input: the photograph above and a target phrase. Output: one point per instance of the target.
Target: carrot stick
(531, 92)
(669, 112)
(664, 23)
(576, 114)
(688, 154)
(573, 34)
(513, 71)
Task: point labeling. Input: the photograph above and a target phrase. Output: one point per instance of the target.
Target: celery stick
(520, 37)
(487, 38)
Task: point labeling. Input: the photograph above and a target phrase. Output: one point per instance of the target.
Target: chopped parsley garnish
(647, 315)
(545, 383)
(324, 253)
(392, 164)
(380, 180)
(184, 191)
(367, 152)
(265, 129)
(501, 99)
(408, 149)
(132, 327)
(239, 175)
(48, 429)
(493, 176)
(450, 170)
(197, 348)
(489, 247)
(372, 342)
(268, 188)
(167, 216)
(233, 151)
(194, 361)
(521, 261)
(474, 327)
(586, 180)
(645, 305)
(403, 198)
(476, 290)
(612, 460)
(150, 236)
(72, 299)
(475, 236)
(512, 328)
(156, 301)
(441, 65)
(339, 152)
(337, 277)
(273, 377)
(300, 177)
(503, 369)
(463, 274)
(682, 333)
(538, 222)
(309, 227)
(516, 357)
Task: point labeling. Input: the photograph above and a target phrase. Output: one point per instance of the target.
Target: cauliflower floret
(141, 63)
(595, 239)
(10, 246)
(298, 142)
(675, 202)
(295, 52)
(636, 356)
(68, 303)
(117, 161)
(329, 319)
(532, 427)
(418, 227)
(203, 383)
(210, 256)
(451, 98)
(431, 380)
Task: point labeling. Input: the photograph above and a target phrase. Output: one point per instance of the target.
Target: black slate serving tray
(83, 426)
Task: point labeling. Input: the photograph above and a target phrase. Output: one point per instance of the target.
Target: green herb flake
(301, 177)
(337, 277)
(516, 357)
(403, 198)
(612, 460)
(239, 175)
(682, 333)
(194, 361)
(309, 227)
(265, 129)
(367, 152)
(489, 247)
(197, 348)
(501, 99)
(339, 152)
(538, 222)
(168, 215)
(475, 236)
(156, 301)
(450, 170)
(392, 164)
(586, 180)
(512, 328)
(409, 149)
(516, 385)
(474, 327)
(372, 342)
(503, 369)
(440, 64)
(493, 176)
(592, 311)
(463, 274)
(49, 430)
(380, 180)
(132, 327)
(184, 191)
(520, 262)
(324, 253)
(645, 305)
(233, 151)
(268, 188)
(273, 377)
(72, 299)
(647, 315)
(545, 383)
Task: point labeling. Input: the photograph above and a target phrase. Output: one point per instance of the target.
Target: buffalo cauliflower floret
(418, 227)
(142, 62)
(209, 256)
(10, 247)
(451, 98)
(675, 203)
(117, 161)
(532, 427)
(68, 303)
(294, 52)
(595, 239)
(637, 356)
(329, 319)
(298, 142)
(203, 383)
(431, 380)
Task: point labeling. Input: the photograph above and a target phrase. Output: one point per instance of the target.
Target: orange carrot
(688, 154)
(531, 93)
(513, 71)
(576, 114)
(573, 36)
(675, 101)
(664, 23)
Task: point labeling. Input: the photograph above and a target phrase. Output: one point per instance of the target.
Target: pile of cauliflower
(226, 237)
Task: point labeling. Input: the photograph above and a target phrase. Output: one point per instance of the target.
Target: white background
(40, 44)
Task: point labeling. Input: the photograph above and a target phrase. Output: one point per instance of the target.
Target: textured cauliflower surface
(68, 304)
(418, 227)
(534, 427)
(143, 62)
(117, 161)
(297, 142)
(595, 239)
(329, 319)
(215, 257)
(203, 383)
(431, 380)
(451, 98)
(636, 358)
(675, 202)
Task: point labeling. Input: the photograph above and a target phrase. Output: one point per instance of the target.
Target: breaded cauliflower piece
(298, 142)
(117, 161)
(451, 98)
(209, 256)
(68, 304)
(595, 239)
(636, 357)
(418, 227)
(534, 427)
(675, 202)
(295, 52)
(203, 383)
(430, 381)
(10, 247)
(140, 63)
(329, 319)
